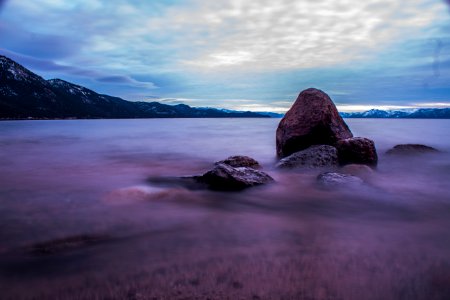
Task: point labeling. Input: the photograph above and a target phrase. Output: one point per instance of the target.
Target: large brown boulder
(312, 120)
(357, 150)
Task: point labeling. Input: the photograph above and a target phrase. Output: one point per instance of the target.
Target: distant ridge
(25, 95)
(419, 113)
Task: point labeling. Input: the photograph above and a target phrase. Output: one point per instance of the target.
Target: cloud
(214, 51)
(43, 64)
(433, 104)
(288, 34)
(2, 3)
(49, 66)
(200, 35)
(38, 45)
(126, 80)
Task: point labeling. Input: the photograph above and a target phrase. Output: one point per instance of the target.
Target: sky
(239, 54)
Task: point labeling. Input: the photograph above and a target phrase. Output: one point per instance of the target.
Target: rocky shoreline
(312, 135)
(93, 212)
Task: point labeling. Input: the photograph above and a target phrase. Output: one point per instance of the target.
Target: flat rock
(227, 178)
(318, 156)
(312, 120)
(330, 180)
(357, 150)
(411, 149)
(240, 161)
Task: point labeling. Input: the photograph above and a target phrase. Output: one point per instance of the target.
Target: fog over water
(387, 239)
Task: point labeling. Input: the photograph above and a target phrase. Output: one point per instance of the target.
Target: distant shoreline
(71, 119)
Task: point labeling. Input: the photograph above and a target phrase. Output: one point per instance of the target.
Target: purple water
(387, 239)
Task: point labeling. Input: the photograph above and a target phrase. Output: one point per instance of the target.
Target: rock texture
(318, 156)
(336, 180)
(226, 178)
(410, 149)
(240, 161)
(312, 120)
(357, 150)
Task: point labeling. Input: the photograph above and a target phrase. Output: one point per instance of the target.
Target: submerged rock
(362, 171)
(66, 244)
(331, 180)
(312, 120)
(357, 150)
(318, 156)
(411, 149)
(356, 169)
(227, 178)
(232, 174)
(187, 182)
(240, 161)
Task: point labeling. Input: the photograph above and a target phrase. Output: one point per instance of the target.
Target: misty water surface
(388, 239)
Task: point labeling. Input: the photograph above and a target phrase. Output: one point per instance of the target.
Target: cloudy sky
(239, 54)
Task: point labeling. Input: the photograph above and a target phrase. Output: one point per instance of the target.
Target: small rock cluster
(313, 123)
(312, 134)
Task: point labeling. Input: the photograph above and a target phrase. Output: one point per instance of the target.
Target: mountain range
(418, 113)
(25, 95)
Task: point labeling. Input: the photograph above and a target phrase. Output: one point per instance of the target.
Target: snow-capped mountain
(416, 113)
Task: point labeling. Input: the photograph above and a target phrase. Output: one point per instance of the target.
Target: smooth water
(388, 239)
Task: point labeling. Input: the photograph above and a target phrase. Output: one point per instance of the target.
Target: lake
(388, 239)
